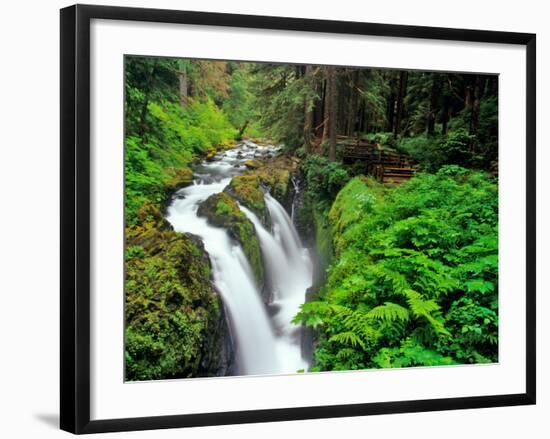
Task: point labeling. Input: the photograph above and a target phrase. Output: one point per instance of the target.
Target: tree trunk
(468, 100)
(434, 101)
(400, 98)
(474, 118)
(182, 76)
(242, 130)
(143, 113)
(445, 115)
(390, 113)
(353, 101)
(318, 110)
(365, 122)
(308, 113)
(332, 93)
(326, 107)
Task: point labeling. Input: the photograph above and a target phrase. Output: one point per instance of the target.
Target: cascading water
(267, 343)
(296, 186)
(289, 272)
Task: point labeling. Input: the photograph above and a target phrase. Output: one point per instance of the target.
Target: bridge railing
(377, 160)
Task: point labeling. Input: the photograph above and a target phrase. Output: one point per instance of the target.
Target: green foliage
(194, 129)
(238, 106)
(413, 280)
(324, 178)
(454, 148)
(410, 354)
(162, 137)
(386, 139)
(280, 91)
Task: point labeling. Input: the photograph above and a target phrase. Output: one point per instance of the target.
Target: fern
(389, 312)
(413, 279)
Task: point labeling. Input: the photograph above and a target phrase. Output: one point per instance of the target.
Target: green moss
(353, 202)
(253, 164)
(210, 153)
(174, 317)
(323, 239)
(222, 210)
(246, 189)
(277, 179)
(178, 178)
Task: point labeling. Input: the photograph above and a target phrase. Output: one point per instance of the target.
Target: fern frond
(425, 308)
(389, 312)
(348, 338)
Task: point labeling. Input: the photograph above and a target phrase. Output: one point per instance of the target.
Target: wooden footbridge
(386, 166)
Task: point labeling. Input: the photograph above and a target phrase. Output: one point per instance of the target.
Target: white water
(265, 344)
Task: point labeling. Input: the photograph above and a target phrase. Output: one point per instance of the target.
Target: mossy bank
(175, 320)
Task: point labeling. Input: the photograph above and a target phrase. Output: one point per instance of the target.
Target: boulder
(222, 210)
(253, 164)
(246, 190)
(179, 177)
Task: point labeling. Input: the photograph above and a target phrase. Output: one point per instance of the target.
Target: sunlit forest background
(398, 204)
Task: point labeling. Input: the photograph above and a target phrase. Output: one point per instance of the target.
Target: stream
(266, 340)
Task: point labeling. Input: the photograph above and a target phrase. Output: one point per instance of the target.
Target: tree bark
(308, 113)
(468, 99)
(352, 116)
(242, 130)
(400, 98)
(332, 112)
(143, 113)
(390, 113)
(182, 76)
(474, 118)
(326, 107)
(445, 115)
(434, 101)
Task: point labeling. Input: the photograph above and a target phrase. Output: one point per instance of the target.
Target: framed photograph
(268, 218)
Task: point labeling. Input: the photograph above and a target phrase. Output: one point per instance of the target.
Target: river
(266, 340)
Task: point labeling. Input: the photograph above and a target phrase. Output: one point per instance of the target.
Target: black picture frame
(75, 217)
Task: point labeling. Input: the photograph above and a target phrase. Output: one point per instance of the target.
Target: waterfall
(267, 343)
(289, 271)
(296, 186)
(233, 278)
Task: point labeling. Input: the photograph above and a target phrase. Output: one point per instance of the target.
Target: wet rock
(253, 164)
(179, 178)
(222, 210)
(247, 191)
(211, 155)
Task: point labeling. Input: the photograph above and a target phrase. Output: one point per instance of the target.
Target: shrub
(324, 178)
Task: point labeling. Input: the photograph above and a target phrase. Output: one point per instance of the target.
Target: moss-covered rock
(253, 164)
(179, 177)
(275, 174)
(175, 322)
(278, 182)
(210, 154)
(246, 189)
(222, 210)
